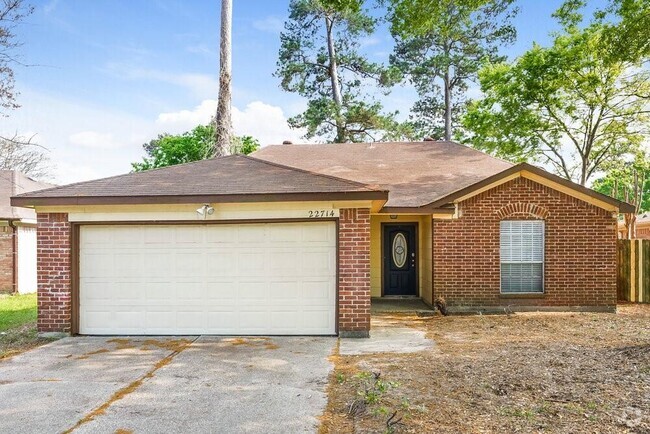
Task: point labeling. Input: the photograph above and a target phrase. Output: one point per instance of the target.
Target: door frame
(416, 224)
(75, 235)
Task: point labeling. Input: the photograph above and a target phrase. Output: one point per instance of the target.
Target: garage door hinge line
(132, 387)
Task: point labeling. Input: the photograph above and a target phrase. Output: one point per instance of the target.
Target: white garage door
(245, 279)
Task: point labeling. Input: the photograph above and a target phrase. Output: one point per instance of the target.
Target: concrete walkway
(191, 384)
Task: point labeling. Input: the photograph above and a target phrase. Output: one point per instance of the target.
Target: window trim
(543, 262)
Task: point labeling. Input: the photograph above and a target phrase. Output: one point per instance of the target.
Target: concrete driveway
(166, 385)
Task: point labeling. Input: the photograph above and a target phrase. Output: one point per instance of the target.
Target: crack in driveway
(121, 393)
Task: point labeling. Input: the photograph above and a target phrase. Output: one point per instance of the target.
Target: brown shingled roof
(415, 173)
(234, 178)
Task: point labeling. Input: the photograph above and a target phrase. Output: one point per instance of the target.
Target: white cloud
(198, 84)
(93, 139)
(272, 24)
(89, 142)
(183, 120)
(201, 49)
(265, 122)
(50, 6)
(369, 41)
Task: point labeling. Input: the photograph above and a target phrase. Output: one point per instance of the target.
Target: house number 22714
(312, 214)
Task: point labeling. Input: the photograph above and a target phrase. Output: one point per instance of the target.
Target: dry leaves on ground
(533, 372)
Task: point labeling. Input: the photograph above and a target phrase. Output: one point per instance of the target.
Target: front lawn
(533, 372)
(18, 324)
(16, 310)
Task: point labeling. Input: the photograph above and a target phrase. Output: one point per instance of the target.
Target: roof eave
(622, 207)
(33, 201)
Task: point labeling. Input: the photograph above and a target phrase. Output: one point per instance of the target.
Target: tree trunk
(223, 130)
(334, 78)
(447, 84)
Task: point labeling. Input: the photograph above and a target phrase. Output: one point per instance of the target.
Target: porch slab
(387, 335)
(400, 305)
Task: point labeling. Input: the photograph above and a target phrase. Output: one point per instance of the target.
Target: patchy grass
(18, 325)
(16, 310)
(533, 372)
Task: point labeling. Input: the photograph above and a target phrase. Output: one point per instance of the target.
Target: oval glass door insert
(400, 250)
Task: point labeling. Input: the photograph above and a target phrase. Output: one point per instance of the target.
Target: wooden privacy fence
(633, 280)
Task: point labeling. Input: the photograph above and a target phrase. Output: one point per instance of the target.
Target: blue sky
(109, 75)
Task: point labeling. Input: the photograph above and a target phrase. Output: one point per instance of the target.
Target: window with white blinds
(522, 256)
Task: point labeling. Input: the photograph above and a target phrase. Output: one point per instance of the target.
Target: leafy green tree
(319, 59)
(622, 183)
(628, 36)
(245, 145)
(440, 46)
(195, 145)
(568, 105)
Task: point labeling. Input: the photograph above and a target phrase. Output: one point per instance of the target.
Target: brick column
(53, 268)
(354, 273)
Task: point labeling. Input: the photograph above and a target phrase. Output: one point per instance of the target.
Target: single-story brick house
(17, 234)
(296, 239)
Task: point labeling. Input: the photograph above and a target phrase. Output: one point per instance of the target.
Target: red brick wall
(354, 272)
(53, 267)
(580, 250)
(6, 259)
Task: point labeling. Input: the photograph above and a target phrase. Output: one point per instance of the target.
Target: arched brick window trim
(522, 209)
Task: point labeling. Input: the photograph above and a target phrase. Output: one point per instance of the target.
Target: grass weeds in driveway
(18, 324)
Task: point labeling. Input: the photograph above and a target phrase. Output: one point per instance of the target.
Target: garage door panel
(284, 261)
(316, 262)
(158, 235)
(221, 264)
(285, 292)
(97, 264)
(188, 263)
(223, 292)
(128, 236)
(190, 292)
(129, 319)
(219, 235)
(214, 279)
(318, 292)
(251, 264)
(320, 235)
(253, 293)
(251, 234)
(157, 292)
(189, 235)
(130, 264)
(253, 320)
(226, 320)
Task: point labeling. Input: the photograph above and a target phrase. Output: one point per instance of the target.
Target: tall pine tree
(440, 46)
(319, 59)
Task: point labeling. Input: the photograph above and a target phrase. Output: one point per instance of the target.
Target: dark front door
(400, 259)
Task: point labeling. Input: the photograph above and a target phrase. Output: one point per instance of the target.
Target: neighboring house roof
(642, 220)
(12, 183)
(420, 175)
(415, 173)
(235, 178)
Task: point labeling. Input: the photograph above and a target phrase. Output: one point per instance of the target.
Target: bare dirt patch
(569, 372)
